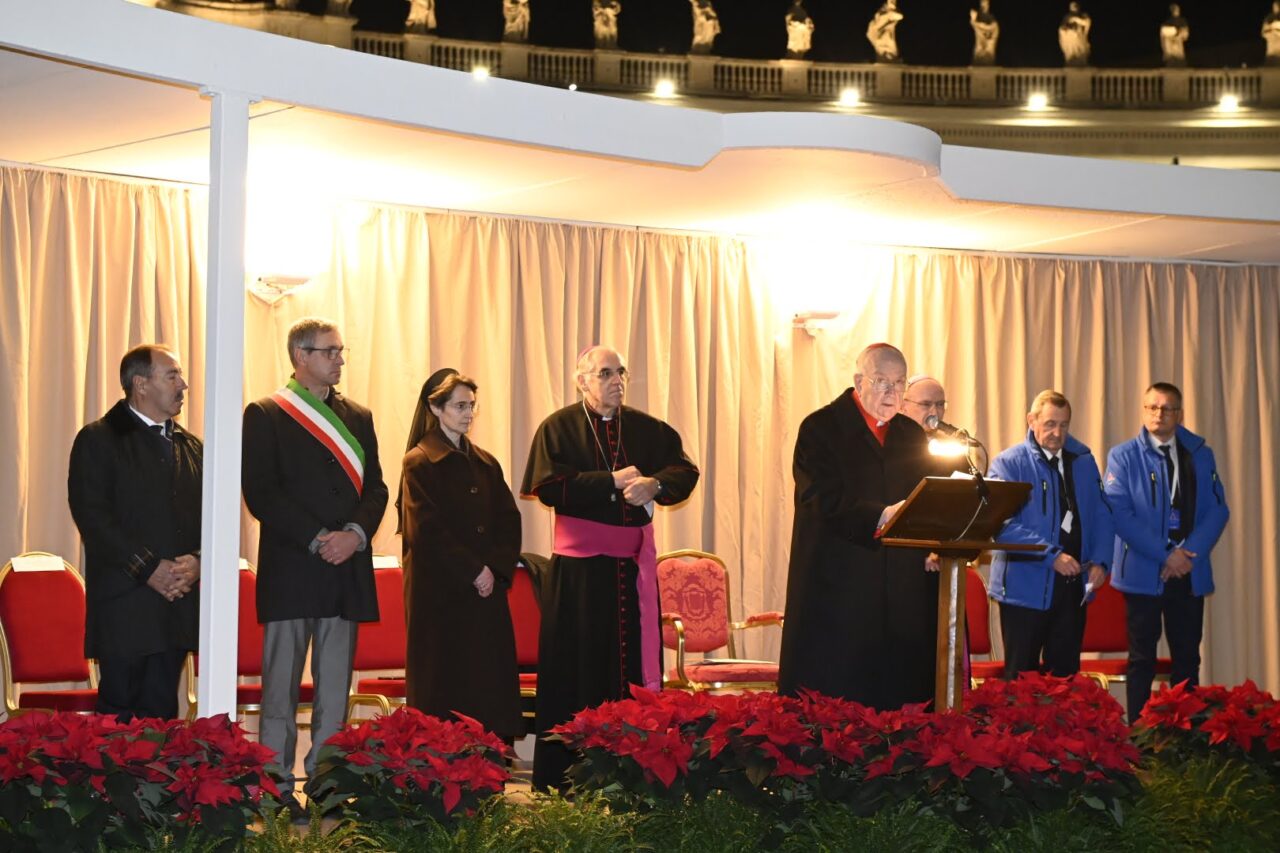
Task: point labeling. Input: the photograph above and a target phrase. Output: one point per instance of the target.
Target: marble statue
(422, 16)
(986, 32)
(1271, 33)
(515, 20)
(706, 26)
(882, 32)
(1173, 37)
(799, 31)
(605, 15)
(1073, 36)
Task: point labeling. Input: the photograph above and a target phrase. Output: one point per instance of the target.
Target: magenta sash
(578, 537)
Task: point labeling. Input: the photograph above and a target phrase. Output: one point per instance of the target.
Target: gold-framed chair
(382, 645)
(42, 627)
(248, 655)
(693, 588)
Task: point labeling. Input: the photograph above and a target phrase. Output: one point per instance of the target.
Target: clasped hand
(637, 489)
(1177, 564)
(337, 546)
(174, 578)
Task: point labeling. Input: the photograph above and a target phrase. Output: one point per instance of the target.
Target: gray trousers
(284, 651)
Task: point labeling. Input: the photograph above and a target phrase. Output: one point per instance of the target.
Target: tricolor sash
(315, 416)
(579, 537)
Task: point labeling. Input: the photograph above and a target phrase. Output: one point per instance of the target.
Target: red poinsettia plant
(69, 781)
(409, 767)
(1037, 742)
(1184, 721)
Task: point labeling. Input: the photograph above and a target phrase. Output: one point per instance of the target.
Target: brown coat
(457, 516)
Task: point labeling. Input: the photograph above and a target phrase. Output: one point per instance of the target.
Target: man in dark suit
(861, 618)
(134, 490)
(311, 477)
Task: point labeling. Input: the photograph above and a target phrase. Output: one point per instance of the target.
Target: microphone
(933, 423)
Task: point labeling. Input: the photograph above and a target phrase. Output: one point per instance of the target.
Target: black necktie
(162, 430)
(1064, 499)
(1169, 471)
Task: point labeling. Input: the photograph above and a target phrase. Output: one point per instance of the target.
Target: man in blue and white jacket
(1170, 510)
(1042, 595)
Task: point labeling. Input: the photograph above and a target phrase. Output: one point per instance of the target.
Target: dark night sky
(935, 32)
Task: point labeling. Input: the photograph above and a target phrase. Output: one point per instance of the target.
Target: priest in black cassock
(861, 618)
(601, 466)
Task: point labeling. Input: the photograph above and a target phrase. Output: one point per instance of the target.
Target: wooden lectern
(957, 518)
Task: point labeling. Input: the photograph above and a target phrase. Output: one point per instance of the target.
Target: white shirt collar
(146, 420)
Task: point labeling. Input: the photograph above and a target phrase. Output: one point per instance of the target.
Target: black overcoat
(134, 507)
(860, 617)
(295, 487)
(458, 516)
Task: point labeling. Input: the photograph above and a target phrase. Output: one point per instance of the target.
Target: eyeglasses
(606, 374)
(461, 406)
(330, 353)
(932, 405)
(884, 386)
(1161, 410)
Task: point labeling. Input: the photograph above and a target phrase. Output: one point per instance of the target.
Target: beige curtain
(88, 268)
(705, 323)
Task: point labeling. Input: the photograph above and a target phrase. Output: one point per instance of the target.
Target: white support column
(224, 400)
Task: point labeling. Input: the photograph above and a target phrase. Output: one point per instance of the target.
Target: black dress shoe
(297, 811)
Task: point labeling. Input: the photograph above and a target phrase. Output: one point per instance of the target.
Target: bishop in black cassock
(601, 466)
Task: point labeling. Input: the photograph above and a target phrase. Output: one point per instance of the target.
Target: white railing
(465, 56)
(930, 84)
(642, 71)
(1016, 86)
(1208, 87)
(828, 81)
(746, 77)
(561, 67)
(1132, 88)
(379, 44)
(785, 78)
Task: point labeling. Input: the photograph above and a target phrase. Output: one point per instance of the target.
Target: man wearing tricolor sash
(602, 466)
(311, 477)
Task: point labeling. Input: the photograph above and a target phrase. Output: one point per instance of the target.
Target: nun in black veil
(461, 540)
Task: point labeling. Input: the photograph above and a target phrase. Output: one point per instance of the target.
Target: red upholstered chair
(42, 615)
(526, 620)
(248, 655)
(1106, 632)
(978, 616)
(382, 645)
(694, 590)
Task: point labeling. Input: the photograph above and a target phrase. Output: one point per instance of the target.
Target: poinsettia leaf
(121, 790)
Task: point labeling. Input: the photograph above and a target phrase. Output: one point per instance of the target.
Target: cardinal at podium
(861, 618)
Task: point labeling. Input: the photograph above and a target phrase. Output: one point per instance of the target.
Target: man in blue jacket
(1042, 595)
(1170, 511)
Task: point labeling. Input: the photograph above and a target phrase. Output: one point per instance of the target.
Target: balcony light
(850, 97)
(1037, 102)
(480, 72)
(1229, 103)
(664, 88)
